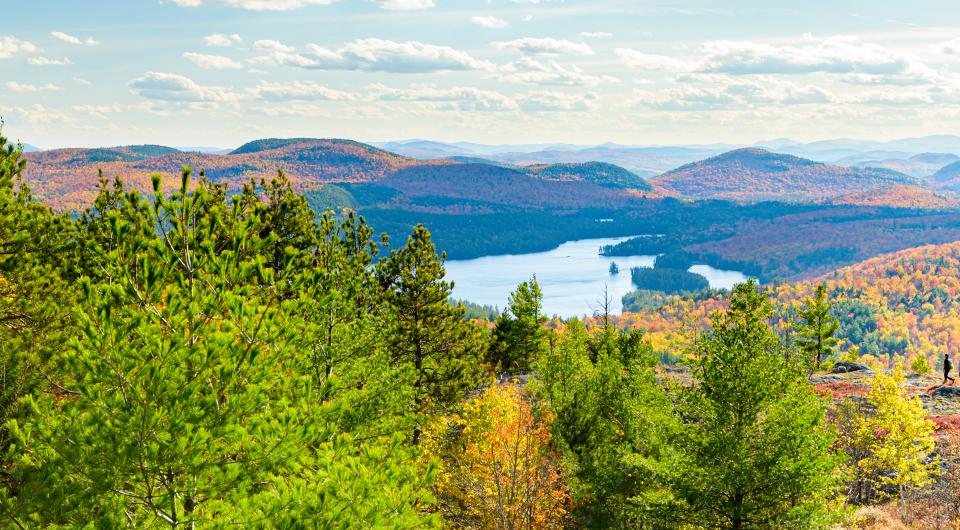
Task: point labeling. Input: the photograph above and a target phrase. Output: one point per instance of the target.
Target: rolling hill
(599, 173)
(948, 178)
(900, 196)
(66, 178)
(753, 174)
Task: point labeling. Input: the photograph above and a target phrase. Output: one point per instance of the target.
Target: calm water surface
(572, 277)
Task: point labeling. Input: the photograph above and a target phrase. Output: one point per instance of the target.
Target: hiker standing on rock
(947, 365)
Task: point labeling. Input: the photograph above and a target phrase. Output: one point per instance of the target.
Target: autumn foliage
(497, 468)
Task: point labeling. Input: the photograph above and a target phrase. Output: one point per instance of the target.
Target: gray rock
(947, 392)
(843, 367)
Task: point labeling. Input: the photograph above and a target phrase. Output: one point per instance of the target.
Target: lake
(572, 277)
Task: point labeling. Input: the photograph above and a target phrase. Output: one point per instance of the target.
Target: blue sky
(221, 72)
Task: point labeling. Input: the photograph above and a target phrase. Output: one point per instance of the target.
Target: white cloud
(46, 61)
(273, 46)
(838, 55)
(557, 102)
(82, 81)
(37, 114)
(405, 5)
(951, 47)
(70, 39)
(99, 111)
(298, 90)
(22, 87)
(457, 98)
(529, 70)
(256, 5)
(212, 62)
(647, 61)
(10, 46)
(489, 22)
(545, 46)
(377, 55)
(222, 40)
(177, 88)
(595, 34)
(475, 99)
(699, 92)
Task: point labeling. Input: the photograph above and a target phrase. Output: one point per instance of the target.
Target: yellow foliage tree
(895, 443)
(497, 469)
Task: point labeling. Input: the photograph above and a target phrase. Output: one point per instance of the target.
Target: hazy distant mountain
(645, 161)
(203, 149)
(872, 156)
(920, 166)
(424, 149)
(948, 178)
(756, 174)
(849, 151)
(27, 148)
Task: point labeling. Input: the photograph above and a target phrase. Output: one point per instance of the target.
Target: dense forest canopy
(196, 356)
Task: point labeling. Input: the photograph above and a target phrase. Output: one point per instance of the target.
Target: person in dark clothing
(947, 366)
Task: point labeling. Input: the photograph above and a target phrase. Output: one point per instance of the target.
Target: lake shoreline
(572, 276)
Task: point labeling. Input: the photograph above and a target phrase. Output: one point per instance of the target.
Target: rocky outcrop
(843, 367)
(951, 392)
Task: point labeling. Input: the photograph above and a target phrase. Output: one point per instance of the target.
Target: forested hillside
(201, 359)
(901, 196)
(898, 305)
(64, 178)
(755, 174)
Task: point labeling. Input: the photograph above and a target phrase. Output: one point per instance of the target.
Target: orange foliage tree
(497, 469)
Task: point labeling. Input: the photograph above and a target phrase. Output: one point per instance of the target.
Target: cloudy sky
(221, 72)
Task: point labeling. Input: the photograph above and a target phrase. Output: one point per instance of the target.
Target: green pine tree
(754, 448)
(518, 334)
(815, 332)
(426, 332)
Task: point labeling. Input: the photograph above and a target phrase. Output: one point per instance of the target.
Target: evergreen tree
(36, 299)
(518, 334)
(425, 331)
(815, 332)
(185, 400)
(754, 448)
(610, 416)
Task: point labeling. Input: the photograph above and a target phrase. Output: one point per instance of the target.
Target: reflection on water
(572, 277)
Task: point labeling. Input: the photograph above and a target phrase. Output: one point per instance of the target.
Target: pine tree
(610, 418)
(518, 334)
(185, 398)
(817, 327)
(426, 332)
(754, 447)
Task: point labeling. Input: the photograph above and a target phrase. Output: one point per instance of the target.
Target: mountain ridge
(754, 174)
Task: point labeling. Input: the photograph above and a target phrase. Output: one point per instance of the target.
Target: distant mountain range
(67, 178)
(362, 175)
(920, 166)
(648, 161)
(752, 174)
